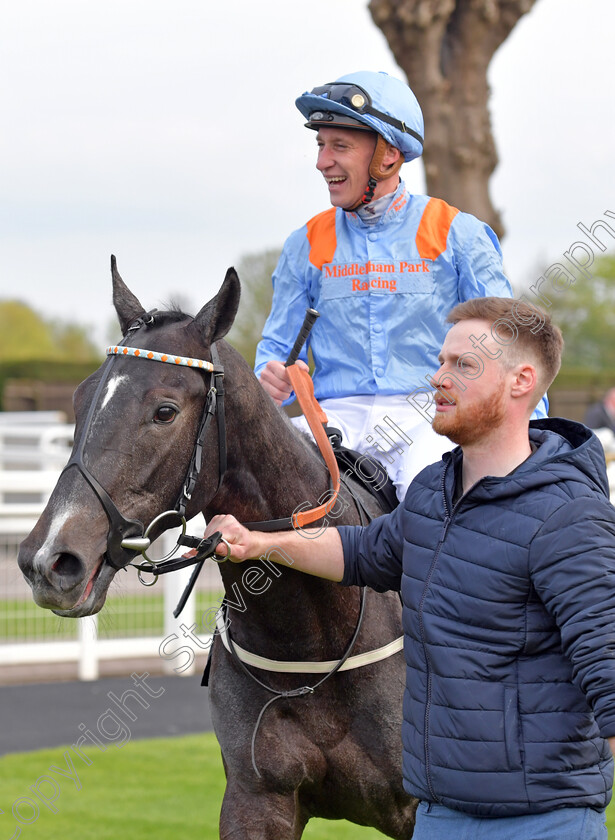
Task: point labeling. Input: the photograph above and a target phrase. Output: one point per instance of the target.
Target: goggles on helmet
(355, 97)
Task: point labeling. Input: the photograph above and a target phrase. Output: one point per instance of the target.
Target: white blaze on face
(105, 405)
(112, 387)
(47, 547)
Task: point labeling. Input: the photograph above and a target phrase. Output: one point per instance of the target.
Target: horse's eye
(165, 414)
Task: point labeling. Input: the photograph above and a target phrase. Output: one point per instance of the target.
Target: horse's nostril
(68, 568)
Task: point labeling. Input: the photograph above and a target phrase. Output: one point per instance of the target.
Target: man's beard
(466, 425)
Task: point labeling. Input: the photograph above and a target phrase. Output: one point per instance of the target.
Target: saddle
(364, 469)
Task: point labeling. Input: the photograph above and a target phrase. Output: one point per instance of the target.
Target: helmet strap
(377, 172)
(369, 192)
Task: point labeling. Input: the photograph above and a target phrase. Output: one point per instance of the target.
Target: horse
(329, 748)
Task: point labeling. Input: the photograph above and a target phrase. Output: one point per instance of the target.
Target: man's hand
(275, 380)
(317, 551)
(612, 745)
(245, 544)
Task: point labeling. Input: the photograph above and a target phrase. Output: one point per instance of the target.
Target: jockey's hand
(275, 380)
(245, 544)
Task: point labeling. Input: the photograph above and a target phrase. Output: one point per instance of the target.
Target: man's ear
(525, 380)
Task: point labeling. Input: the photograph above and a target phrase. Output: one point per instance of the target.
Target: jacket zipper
(448, 516)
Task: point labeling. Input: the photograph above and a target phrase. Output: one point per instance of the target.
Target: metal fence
(135, 621)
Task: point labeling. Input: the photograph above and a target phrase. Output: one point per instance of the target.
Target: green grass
(122, 615)
(161, 789)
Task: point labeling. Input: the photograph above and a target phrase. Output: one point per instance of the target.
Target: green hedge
(45, 370)
(589, 383)
(573, 378)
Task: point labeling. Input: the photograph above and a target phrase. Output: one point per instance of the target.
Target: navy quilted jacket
(509, 618)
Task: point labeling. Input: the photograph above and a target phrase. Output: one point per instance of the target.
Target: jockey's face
(344, 156)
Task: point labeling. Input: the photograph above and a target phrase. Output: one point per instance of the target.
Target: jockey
(383, 268)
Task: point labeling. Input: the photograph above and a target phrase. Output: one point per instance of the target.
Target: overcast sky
(166, 133)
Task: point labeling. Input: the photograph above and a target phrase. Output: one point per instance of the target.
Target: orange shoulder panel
(433, 229)
(322, 238)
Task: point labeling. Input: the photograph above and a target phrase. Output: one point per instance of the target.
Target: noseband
(127, 537)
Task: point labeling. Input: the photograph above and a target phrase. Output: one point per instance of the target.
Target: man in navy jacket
(504, 553)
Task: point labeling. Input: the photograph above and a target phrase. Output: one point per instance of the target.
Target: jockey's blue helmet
(369, 101)
(372, 101)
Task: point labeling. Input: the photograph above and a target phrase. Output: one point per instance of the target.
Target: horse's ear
(126, 304)
(216, 318)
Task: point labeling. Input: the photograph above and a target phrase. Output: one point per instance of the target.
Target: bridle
(128, 537)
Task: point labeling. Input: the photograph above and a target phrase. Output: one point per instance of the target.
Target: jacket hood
(565, 450)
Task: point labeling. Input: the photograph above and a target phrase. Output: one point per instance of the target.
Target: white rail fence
(136, 622)
(607, 439)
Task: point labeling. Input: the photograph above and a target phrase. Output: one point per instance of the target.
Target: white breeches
(390, 429)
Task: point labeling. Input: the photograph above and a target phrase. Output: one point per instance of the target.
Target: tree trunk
(444, 47)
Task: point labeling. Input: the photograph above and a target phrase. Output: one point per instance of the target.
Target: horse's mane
(172, 314)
